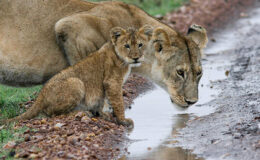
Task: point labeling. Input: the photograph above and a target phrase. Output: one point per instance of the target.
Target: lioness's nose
(190, 102)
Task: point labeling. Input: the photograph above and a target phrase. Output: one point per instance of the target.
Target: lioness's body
(29, 52)
(95, 81)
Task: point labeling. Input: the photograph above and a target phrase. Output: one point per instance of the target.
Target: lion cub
(95, 79)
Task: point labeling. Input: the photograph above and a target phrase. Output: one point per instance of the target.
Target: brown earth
(70, 137)
(79, 137)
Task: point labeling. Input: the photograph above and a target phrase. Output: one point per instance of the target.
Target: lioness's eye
(199, 73)
(180, 73)
(127, 46)
(140, 45)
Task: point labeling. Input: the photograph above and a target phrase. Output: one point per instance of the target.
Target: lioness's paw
(127, 123)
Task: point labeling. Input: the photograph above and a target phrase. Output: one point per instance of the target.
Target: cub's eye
(199, 73)
(140, 45)
(127, 46)
(180, 73)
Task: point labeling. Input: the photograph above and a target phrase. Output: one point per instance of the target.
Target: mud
(233, 130)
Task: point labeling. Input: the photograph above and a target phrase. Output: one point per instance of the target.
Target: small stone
(244, 15)
(71, 156)
(58, 125)
(227, 73)
(62, 142)
(1, 127)
(237, 135)
(82, 136)
(27, 137)
(225, 155)
(91, 135)
(73, 140)
(33, 156)
(96, 145)
(85, 148)
(257, 145)
(94, 119)
(70, 132)
(213, 40)
(9, 145)
(61, 154)
(12, 153)
(95, 128)
(79, 115)
(43, 121)
(24, 155)
(85, 119)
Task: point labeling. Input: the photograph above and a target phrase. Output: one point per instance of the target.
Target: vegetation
(154, 7)
(6, 135)
(12, 99)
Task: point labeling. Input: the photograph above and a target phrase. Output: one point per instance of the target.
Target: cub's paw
(127, 123)
(106, 116)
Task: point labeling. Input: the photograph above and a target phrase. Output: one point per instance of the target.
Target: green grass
(9, 134)
(12, 99)
(154, 7)
(11, 104)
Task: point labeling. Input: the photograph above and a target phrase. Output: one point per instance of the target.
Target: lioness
(94, 79)
(29, 53)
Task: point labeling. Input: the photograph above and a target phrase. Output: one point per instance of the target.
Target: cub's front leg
(113, 90)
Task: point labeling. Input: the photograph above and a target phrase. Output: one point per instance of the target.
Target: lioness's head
(179, 63)
(130, 44)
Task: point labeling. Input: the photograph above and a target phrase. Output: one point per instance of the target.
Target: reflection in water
(156, 121)
(166, 151)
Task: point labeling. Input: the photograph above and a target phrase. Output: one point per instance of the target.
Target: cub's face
(178, 64)
(130, 44)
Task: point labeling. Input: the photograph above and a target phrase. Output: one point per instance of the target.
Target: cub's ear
(146, 30)
(115, 33)
(160, 39)
(199, 35)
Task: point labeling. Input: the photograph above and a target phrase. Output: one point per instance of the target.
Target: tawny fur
(95, 79)
(31, 55)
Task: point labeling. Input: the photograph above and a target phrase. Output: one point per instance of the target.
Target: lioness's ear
(115, 33)
(160, 38)
(146, 30)
(199, 35)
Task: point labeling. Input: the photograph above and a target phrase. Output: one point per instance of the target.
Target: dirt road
(233, 130)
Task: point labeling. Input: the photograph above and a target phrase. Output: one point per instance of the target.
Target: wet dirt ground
(225, 123)
(233, 130)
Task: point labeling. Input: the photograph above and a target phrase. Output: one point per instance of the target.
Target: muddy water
(157, 119)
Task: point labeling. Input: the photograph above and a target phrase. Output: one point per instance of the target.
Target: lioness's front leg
(81, 34)
(114, 94)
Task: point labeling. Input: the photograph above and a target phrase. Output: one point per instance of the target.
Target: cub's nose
(135, 60)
